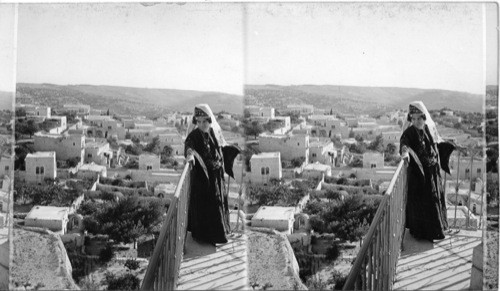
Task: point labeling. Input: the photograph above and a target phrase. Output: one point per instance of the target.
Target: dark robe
(208, 214)
(426, 202)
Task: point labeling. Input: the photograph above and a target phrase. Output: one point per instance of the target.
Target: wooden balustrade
(164, 264)
(375, 264)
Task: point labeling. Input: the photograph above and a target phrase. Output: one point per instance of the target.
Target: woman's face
(418, 120)
(203, 123)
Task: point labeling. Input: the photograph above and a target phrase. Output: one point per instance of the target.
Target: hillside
(126, 100)
(353, 99)
(6, 99)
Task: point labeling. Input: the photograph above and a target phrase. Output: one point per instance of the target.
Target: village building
(464, 169)
(92, 171)
(262, 112)
(66, 146)
(40, 166)
(36, 110)
(57, 124)
(391, 137)
(174, 140)
(373, 160)
(6, 165)
(275, 217)
(265, 166)
(291, 145)
(98, 151)
(323, 152)
(228, 123)
(149, 162)
(317, 170)
(77, 109)
(49, 217)
(105, 127)
(301, 109)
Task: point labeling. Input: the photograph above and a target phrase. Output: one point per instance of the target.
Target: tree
(73, 162)
(126, 220)
(20, 112)
(377, 144)
(359, 138)
(254, 128)
(126, 281)
(132, 264)
(297, 162)
(154, 146)
(332, 194)
(136, 140)
(359, 148)
(135, 149)
(26, 128)
(390, 149)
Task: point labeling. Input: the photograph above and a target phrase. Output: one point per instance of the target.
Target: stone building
(66, 146)
(291, 145)
(39, 166)
(265, 166)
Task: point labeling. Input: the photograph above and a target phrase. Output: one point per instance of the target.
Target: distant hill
(354, 99)
(127, 100)
(6, 99)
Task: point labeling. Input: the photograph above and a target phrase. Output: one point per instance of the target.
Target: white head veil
(215, 125)
(428, 121)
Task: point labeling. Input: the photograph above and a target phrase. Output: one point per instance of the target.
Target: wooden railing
(375, 264)
(164, 264)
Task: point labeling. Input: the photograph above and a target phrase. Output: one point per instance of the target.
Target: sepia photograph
(249, 146)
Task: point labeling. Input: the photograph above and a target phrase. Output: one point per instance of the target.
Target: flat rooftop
(266, 155)
(41, 155)
(47, 213)
(317, 167)
(92, 167)
(274, 213)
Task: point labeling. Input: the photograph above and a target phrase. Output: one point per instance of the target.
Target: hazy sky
(201, 46)
(492, 26)
(191, 46)
(7, 47)
(391, 44)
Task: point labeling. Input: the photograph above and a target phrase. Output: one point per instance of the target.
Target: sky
(220, 47)
(7, 47)
(191, 46)
(419, 45)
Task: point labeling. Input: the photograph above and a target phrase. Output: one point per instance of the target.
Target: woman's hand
(190, 159)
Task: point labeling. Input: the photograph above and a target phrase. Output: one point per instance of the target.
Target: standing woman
(420, 145)
(208, 214)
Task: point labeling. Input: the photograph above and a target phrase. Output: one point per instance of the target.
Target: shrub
(132, 264)
(333, 252)
(106, 254)
(124, 282)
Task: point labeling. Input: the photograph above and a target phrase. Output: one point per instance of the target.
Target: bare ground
(490, 272)
(39, 261)
(269, 263)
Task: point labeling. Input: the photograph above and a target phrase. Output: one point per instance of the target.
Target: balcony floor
(442, 265)
(221, 267)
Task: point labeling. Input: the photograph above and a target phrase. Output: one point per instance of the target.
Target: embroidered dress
(208, 215)
(426, 203)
